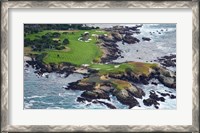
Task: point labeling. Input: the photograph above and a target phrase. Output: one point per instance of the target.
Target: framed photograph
(99, 66)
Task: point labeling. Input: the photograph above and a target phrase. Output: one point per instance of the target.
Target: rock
(95, 94)
(109, 44)
(106, 88)
(163, 94)
(109, 105)
(80, 86)
(82, 100)
(128, 33)
(26, 65)
(117, 27)
(154, 96)
(117, 36)
(154, 83)
(125, 98)
(168, 61)
(167, 81)
(89, 94)
(108, 38)
(150, 102)
(130, 39)
(102, 94)
(32, 62)
(162, 99)
(135, 91)
(130, 76)
(146, 39)
(167, 77)
(112, 52)
(135, 28)
(166, 72)
(168, 91)
(143, 79)
(172, 96)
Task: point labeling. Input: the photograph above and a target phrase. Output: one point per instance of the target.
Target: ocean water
(48, 93)
(145, 51)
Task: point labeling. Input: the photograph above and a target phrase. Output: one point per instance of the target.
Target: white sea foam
(34, 97)
(54, 108)
(28, 105)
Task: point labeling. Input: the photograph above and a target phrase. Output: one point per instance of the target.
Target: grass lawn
(135, 67)
(120, 84)
(78, 52)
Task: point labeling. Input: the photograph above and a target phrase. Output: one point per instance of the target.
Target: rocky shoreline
(105, 88)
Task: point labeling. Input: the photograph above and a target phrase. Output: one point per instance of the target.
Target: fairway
(77, 52)
(135, 67)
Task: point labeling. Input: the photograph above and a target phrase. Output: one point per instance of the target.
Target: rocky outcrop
(61, 68)
(154, 96)
(93, 91)
(106, 87)
(136, 92)
(117, 36)
(168, 61)
(168, 81)
(146, 39)
(150, 102)
(95, 94)
(107, 38)
(112, 52)
(167, 94)
(125, 97)
(164, 76)
(144, 79)
(167, 77)
(153, 100)
(80, 86)
(130, 39)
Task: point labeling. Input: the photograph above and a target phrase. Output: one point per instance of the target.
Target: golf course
(96, 64)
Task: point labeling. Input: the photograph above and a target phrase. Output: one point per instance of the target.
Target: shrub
(27, 42)
(60, 47)
(65, 41)
(56, 34)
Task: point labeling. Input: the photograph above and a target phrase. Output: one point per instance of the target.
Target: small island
(93, 51)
